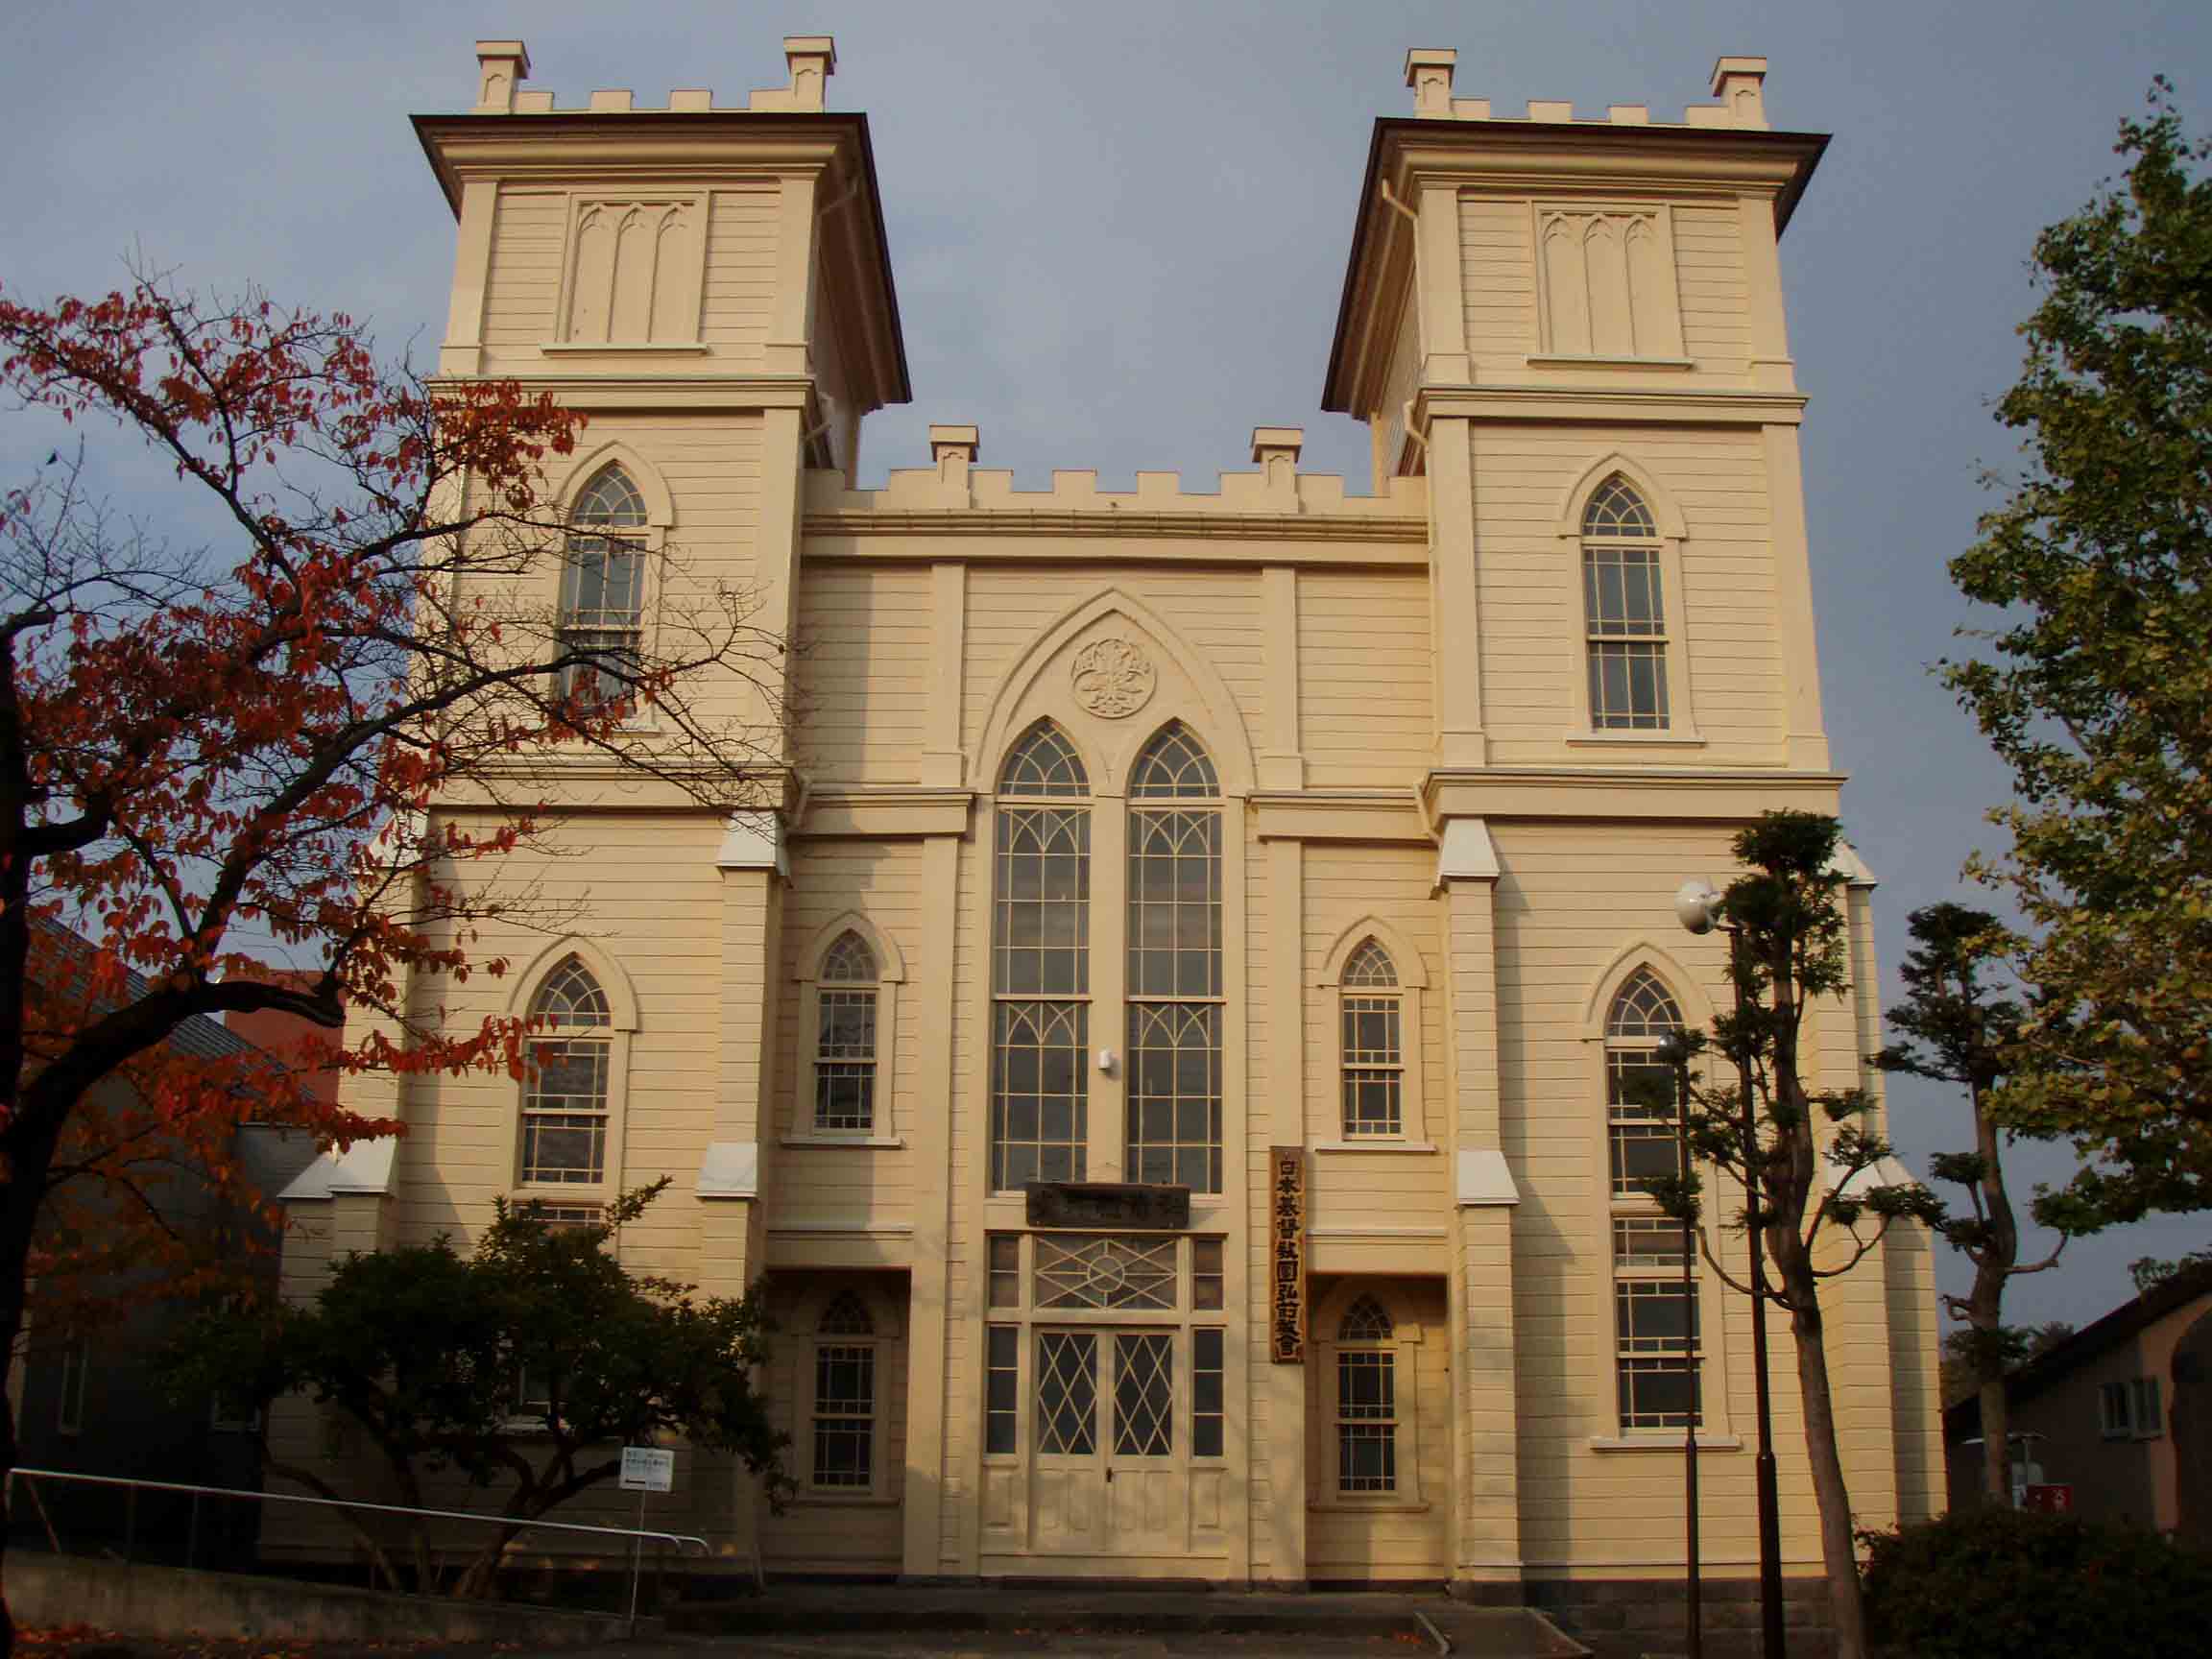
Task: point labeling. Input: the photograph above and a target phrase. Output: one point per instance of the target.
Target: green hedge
(1988, 1583)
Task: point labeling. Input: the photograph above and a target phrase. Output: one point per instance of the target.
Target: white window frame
(890, 976)
(621, 1027)
(1412, 986)
(2148, 1406)
(1681, 729)
(69, 1394)
(2115, 1411)
(876, 1341)
(1403, 1348)
(1710, 1359)
(651, 540)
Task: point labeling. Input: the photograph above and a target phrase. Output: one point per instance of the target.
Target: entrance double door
(1110, 1453)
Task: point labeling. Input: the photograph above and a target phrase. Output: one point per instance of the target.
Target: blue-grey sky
(1119, 233)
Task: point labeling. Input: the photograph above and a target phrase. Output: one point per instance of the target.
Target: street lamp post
(1693, 1612)
(1699, 906)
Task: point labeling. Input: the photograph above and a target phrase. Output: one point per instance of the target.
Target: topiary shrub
(1991, 1584)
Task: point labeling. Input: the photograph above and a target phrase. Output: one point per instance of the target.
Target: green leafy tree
(1957, 1028)
(2097, 688)
(2150, 1271)
(1814, 1154)
(530, 1362)
(1961, 1367)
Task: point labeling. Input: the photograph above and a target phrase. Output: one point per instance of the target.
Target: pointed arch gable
(890, 964)
(1412, 974)
(621, 995)
(1663, 511)
(1684, 986)
(659, 504)
(1221, 727)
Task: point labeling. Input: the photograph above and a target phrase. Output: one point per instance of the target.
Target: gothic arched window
(565, 1080)
(1624, 611)
(603, 587)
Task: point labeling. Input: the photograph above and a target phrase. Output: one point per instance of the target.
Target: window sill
(1581, 360)
(1672, 738)
(1379, 1144)
(624, 347)
(878, 1140)
(1383, 1505)
(1664, 1443)
(811, 1500)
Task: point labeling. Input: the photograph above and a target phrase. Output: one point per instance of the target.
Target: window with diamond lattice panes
(845, 1061)
(603, 586)
(1366, 1400)
(1373, 1044)
(565, 1080)
(845, 1390)
(1175, 965)
(1625, 613)
(1039, 964)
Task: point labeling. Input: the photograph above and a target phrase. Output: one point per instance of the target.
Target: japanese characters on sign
(1287, 1278)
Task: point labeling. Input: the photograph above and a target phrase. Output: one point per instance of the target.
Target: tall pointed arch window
(603, 587)
(1366, 1400)
(845, 1036)
(845, 1397)
(1041, 963)
(567, 1075)
(1374, 1044)
(1655, 1316)
(1624, 611)
(1175, 964)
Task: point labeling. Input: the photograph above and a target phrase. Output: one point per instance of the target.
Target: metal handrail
(679, 1539)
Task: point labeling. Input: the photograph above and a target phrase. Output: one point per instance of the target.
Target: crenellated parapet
(503, 65)
(1738, 83)
(1276, 495)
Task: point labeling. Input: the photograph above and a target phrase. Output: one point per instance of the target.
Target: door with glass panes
(1108, 1474)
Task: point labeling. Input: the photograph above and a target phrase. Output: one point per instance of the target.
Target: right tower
(1574, 330)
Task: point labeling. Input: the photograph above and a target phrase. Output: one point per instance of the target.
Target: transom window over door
(1040, 964)
(1174, 966)
(1624, 611)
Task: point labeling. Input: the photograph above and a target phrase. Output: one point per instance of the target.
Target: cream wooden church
(1164, 1047)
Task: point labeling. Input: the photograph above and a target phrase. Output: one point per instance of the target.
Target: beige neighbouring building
(1170, 838)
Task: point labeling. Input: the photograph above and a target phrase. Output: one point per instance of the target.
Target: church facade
(1166, 1043)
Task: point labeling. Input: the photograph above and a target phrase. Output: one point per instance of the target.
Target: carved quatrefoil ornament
(1112, 678)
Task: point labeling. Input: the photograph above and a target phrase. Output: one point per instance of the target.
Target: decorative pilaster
(1486, 1512)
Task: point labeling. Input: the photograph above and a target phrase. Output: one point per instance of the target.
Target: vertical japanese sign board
(1287, 1278)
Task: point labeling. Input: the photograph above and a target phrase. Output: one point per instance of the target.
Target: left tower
(710, 287)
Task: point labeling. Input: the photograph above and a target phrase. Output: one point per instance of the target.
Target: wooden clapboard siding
(863, 673)
(1359, 1541)
(1499, 280)
(1575, 897)
(1528, 579)
(740, 290)
(860, 1186)
(1715, 295)
(529, 245)
(1365, 689)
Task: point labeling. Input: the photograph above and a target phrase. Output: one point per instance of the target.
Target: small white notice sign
(648, 1469)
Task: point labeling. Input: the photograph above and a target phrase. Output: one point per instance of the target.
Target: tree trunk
(1996, 1444)
(1838, 1552)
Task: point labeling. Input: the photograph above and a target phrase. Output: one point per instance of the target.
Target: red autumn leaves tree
(206, 746)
